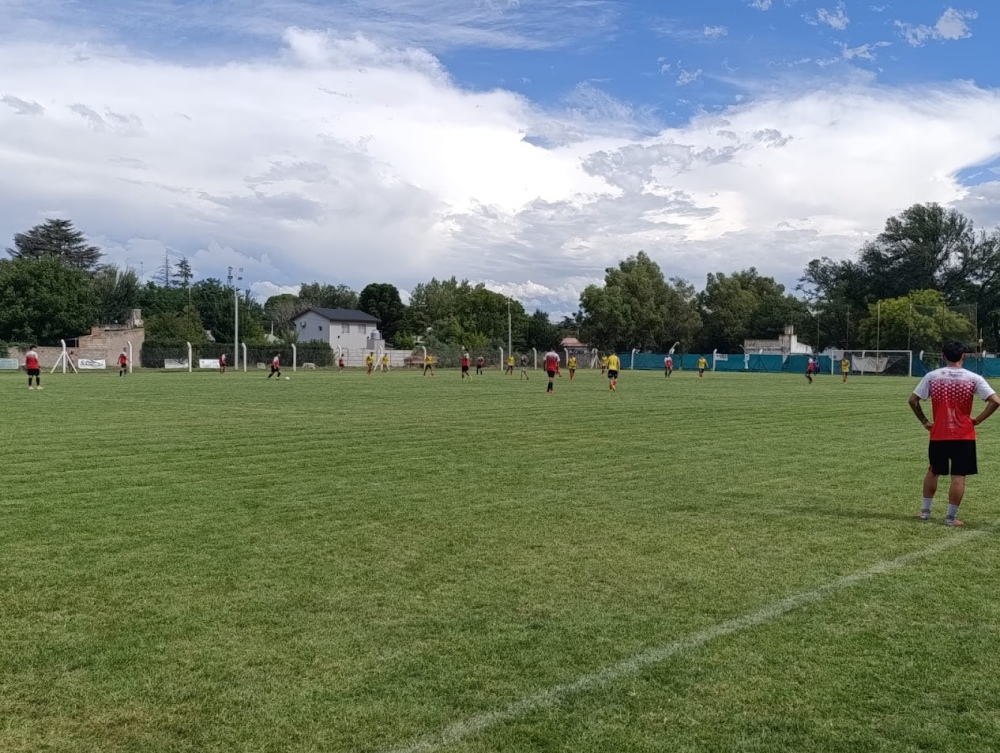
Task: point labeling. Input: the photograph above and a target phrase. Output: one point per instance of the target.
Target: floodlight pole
(510, 331)
(236, 326)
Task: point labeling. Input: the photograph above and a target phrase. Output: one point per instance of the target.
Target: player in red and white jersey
(275, 367)
(551, 367)
(222, 364)
(465, 365)
(122, 364)
(668, 365)
(952, 450)
(33, 368)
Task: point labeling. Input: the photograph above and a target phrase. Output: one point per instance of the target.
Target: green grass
(337, 563)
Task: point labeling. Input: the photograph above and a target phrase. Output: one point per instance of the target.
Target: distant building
(786, 344)
(345, 328)
(574, 346)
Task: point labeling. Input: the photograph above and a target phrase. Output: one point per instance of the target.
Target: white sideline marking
(551, 696)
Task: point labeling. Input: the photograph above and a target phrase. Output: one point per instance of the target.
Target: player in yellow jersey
(613, 366)
(702, 365)
(370, 363)
(571, 365)
(509, 371)
(604, 364)
(385, 362)
(429, 364)
(845, 368)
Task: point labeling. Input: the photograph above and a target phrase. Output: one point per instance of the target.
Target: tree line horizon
(928, 277)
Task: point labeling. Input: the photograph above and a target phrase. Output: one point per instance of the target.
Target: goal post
(871, 362)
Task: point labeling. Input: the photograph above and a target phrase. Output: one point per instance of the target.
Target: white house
(786, 344)
(353, 331)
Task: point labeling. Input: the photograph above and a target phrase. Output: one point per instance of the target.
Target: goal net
(876, 362)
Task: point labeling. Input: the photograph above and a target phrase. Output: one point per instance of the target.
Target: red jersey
(274, 363)
(222, 360)
(951, 392)
(31, 360)
(465, 361)
(123, 360)
(551, 362)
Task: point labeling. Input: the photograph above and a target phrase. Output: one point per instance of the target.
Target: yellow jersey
(604, 361)
(613, 363)
(845, 366)
(510, 360)
(702, 363)
(429, 360)
(385, 359)
(571, 363)
(370, 359)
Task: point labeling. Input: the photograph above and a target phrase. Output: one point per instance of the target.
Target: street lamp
(236, 315)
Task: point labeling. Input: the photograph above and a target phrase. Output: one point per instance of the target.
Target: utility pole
(510, 331)
(236, 315)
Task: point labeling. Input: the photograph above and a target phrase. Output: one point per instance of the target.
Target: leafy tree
(42, 299)
(746, 305)
(457, 313)
(638, 308)
(541, 333)
(382, 300)
(279, 310)
(117, 292)
(158, 299)
(214, 303)
(57, 239)
(176, 328)
(327, 296)
(920, 320)
(183, 273)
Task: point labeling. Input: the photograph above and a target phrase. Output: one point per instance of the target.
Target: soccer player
(668, 365)
(370, 362)
(385, 362)
(571, 365)
(702, 365)
(465, 365)
(810, 369)
(551, 367)
(614, 365)
(429, 364)
(275, 367)
(845, 368)
(524, 368)
(222, 364)
(952, 449)
(510, 365)
(480, 365)
(604, 364)
(340, 364)
(32, 367)
(122, 364)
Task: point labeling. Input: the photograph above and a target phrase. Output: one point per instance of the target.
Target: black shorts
(612, 374)
(275, 369)
(953, 457)
(34, 372)
(465, 369)
(552, 374)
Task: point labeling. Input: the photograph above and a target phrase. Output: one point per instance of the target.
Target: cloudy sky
(527, 143)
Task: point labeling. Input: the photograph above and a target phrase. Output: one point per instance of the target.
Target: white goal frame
(867, 361)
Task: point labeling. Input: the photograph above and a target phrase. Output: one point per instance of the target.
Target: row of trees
(929, 276)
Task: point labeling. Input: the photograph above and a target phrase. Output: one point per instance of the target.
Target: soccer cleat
(38, 387)
(924, 516)
(954, 523)
(30, 387)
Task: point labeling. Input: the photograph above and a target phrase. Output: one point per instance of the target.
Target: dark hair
(953, 351)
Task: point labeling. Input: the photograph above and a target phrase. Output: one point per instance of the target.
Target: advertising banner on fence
(175, 363)
(9, 364)
(208, 363)
(91, 364)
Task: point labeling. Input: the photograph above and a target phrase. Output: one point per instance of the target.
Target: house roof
(341, 315)
(572, 342)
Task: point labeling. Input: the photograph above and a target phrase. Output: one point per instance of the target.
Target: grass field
(338, 563)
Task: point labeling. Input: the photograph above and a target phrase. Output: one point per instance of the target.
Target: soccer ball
(287, 378)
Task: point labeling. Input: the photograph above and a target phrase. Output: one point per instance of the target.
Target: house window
(321, 328)
(345, 329)
(362, 329)
(302, 324)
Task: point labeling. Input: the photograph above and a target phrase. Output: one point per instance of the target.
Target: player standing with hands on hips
(33, 368)
(952, 449)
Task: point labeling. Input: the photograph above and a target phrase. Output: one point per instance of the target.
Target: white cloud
(349, 161)
(863, 52)
(836, 18)
(714, 32)
(951, 26)
(761, 4)
(688, 77)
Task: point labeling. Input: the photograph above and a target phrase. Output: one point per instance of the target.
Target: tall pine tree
(56, 239)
